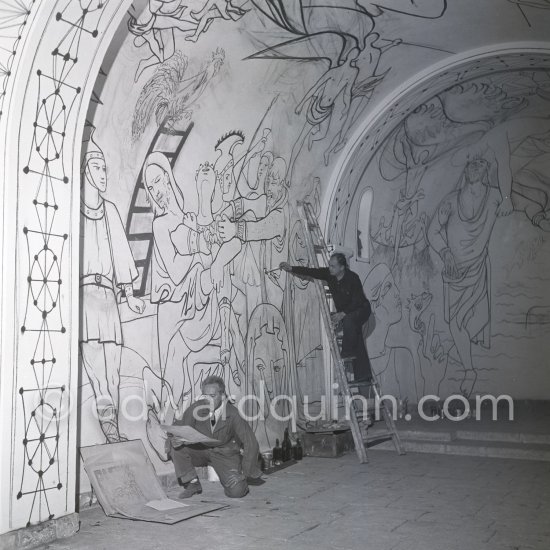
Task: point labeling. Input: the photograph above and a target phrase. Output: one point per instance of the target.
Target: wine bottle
(277, 453)
(286, 447)
(298, 450)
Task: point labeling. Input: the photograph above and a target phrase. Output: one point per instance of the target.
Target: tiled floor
(411, 502)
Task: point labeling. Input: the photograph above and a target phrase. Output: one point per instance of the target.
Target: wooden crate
(327, 444)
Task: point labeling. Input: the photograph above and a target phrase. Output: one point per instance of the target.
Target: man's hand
(217, 275)
(227, 229)
(137, 305)
(505, 207)
(190, 220)
(204, 245)
(285, 266)
(273, 274)
(337, 318)
(403, 203)
(172, 442)
(450, 269)
(263, 139)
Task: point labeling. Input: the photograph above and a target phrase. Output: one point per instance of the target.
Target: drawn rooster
(169, 95)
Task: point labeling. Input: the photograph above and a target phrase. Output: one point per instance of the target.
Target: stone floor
(411, 502)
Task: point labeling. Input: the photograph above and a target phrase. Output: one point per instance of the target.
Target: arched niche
(339, 204)
(412, 153)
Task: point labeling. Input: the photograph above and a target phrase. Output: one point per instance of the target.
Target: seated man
(217, 418)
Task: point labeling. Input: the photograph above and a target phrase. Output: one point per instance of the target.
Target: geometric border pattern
(14, 15)
(43, 370)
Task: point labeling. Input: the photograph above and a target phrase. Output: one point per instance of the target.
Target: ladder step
(140, 237)
(379, 435)
(360, 384)
(142, 210)
(169, 132)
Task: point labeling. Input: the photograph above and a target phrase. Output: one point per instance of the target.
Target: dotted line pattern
(13, 19)
(45, 403)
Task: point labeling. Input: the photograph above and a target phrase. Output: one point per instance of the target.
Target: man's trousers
(226, 461)
(353, 343)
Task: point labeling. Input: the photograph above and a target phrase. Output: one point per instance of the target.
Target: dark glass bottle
(298, 450)
(277, 453)
(286, 446)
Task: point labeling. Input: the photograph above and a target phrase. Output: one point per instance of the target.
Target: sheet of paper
(165, 504)
(187, 434)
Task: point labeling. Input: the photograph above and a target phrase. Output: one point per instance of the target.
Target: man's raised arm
(315, 272)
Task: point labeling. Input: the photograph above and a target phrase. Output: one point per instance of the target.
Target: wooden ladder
(318, 253)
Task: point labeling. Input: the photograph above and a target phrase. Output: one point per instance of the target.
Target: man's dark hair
(214, 381)
(341, 259)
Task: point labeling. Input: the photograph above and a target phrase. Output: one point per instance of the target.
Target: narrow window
(363, 225)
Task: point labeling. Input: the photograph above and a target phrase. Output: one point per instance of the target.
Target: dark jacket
(347, 293)
(230, 430)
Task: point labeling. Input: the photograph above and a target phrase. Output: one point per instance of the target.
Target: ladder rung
(141, 263)
(181, 133)
(359, 384)
(141, 210)
(140, 236)
(379, 435)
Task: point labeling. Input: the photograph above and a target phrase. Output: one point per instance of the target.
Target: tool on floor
(319, 256)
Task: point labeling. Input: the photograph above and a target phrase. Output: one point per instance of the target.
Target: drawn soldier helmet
(93, 151)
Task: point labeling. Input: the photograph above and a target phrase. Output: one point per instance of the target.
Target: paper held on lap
(187, 434)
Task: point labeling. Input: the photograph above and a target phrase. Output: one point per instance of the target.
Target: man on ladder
(352, 308)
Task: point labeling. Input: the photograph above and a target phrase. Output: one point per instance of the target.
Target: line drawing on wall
(154, 22)
(499, 122)
(522, 6)
(14, 15)
(340, 37)
(170, 94)
(193, 316)
(393, 365)
(107, 268)
(459, 232)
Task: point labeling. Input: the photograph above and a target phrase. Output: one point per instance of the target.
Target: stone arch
(381, 122)
(60, 49)
(413, 152)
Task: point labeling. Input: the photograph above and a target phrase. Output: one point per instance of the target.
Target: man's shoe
(191, 489)
(255, 481)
